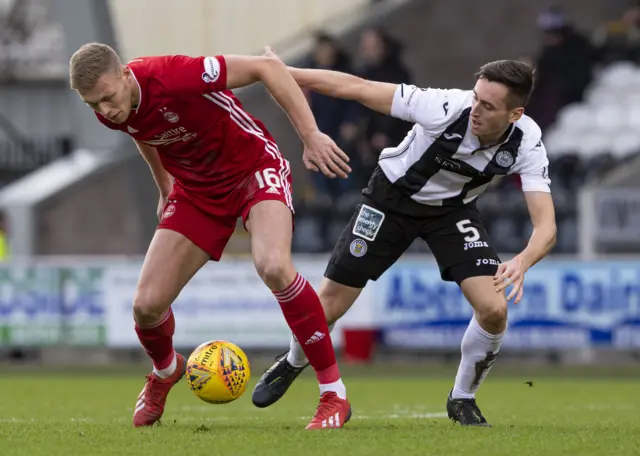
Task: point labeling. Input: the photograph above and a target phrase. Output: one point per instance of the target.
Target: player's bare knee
(147, 308)
(493, 316)
(334, 305)
(276, 271)
(332, 310)
(336, 299)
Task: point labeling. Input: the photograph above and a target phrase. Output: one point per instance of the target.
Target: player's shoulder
(531, 133)
(159, 73)
(461, 99)
(150, 66)
(458, 97)
(450, 104)
(462, 96)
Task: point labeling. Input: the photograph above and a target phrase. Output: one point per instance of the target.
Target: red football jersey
(205, 139)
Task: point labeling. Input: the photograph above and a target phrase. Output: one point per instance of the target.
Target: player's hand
(320, 151)
(322, 154)
(511, 273)
(162, 203)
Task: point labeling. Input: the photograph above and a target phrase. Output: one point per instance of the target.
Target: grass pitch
(395, 411)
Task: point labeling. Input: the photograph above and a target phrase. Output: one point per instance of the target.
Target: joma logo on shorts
(475, 245)
(487, 261)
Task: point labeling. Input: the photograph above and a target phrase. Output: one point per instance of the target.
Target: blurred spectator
(335, 117)
(379, 60)
(620, 39)
(563, 68)
(31, 44)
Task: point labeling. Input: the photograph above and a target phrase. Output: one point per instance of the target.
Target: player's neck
(492, 140)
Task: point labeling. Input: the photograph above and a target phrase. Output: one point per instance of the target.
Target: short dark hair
(517, 76)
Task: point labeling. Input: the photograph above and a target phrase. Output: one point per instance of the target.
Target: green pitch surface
(90, 414)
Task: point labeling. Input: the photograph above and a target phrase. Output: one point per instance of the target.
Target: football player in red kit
(213, 162)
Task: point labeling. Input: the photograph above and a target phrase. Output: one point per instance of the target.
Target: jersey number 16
(267, 178)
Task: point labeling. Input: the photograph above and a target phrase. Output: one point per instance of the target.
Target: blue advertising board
(565, 305)
(49, 305)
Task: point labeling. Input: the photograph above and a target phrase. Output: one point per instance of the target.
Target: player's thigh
(370, 243)
(267, 213)
(270, 224)
(336, 298)
(171, 261)
(185, 240)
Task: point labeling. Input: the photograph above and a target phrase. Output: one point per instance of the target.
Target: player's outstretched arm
(533, 168)
(543, 219)
(321, 153)
(543, 238)
(372, 94)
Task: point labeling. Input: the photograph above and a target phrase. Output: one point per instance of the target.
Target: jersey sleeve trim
(533, 185)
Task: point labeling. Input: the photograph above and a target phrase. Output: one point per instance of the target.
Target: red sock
(304, 314)
(157, 340)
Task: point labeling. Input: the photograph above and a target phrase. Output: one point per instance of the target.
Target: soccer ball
(218, 372)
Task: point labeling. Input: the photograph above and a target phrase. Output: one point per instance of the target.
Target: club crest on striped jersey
(505, 159)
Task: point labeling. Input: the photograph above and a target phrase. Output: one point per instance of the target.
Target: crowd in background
(31, 43)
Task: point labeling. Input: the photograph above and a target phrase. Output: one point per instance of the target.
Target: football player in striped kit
(426, 187)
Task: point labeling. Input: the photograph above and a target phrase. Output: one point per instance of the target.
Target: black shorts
(387, 222)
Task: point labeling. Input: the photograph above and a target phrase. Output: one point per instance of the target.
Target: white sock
(479, 350)
(167, 371)
(337, 387)
(296, 356)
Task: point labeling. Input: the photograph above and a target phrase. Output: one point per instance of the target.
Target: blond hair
(90, 62)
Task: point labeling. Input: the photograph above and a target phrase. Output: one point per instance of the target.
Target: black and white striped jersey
(440, 162)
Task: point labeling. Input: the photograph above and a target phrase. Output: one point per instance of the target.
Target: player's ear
(516, 114)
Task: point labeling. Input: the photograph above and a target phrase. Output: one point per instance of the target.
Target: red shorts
(210, 232)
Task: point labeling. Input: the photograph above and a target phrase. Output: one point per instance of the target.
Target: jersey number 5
(267, 178)
(464, 226)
